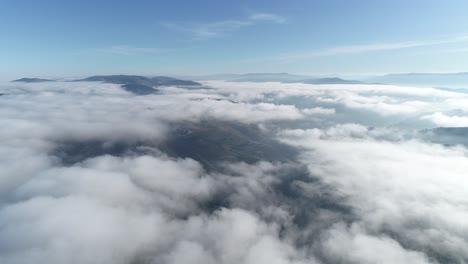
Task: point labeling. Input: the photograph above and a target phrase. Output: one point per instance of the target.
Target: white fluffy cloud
(319, 111)
(353, 193)
(353, 245)
(403, 190)
(443, 120)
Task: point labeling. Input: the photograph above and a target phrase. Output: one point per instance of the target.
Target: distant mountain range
(439, 80)
(145, 85)
(32, 80)
(252, 77)
(269, 77)
(453, 80)
(136, 79)
(334, 80)
(133, 83)
(139, 84)
(275, 77)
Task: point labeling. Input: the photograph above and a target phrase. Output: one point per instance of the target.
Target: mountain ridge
(33, 80)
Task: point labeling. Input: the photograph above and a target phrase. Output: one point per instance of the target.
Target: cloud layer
(368, 183)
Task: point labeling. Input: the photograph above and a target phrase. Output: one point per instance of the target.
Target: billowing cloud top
(235, 172)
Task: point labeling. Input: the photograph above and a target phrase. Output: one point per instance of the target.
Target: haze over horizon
(63, 39)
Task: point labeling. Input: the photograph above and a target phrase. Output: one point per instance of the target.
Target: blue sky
(76, 38)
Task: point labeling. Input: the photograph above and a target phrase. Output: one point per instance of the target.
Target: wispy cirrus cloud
(209, 30)
(351, 49)
(129, 50)
(360, 48)
(268, 17)
(220, 28)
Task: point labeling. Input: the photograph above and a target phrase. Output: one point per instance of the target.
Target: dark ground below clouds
(312, 205)
(208, 142)
(215, 143)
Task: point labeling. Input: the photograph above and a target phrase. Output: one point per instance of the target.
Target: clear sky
(76, 38)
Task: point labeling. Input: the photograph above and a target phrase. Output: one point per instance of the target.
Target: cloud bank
(91, 173)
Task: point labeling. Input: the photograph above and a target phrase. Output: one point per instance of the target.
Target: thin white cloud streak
(209, 30)
(220, 28)
(357, 49)
(129, 50)
(268, 17)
